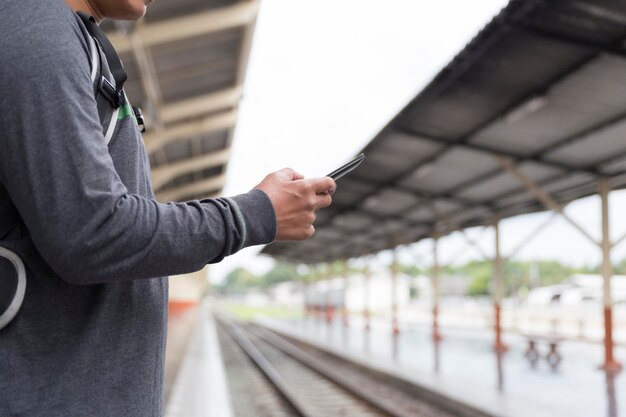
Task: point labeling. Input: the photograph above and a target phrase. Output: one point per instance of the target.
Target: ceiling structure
(529, 115)
(186, 63)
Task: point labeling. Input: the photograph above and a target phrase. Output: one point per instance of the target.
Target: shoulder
(40, 39)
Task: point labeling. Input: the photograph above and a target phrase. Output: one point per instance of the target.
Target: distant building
(578, 289)
(378, 295)
(449, 286)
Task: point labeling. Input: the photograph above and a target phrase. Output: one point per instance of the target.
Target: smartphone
(346, 168)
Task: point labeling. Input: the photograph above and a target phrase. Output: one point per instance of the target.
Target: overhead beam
(161, 175)
(545, 198)
(532, 235)
(156, 141)
(197, 24)
(148, 77)
(202, 105)
(498, 152)
(208, 185)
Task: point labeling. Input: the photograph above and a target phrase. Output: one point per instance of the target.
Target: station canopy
(537, 100)
(186, 62)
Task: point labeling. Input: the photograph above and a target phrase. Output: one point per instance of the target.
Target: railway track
(307, 382)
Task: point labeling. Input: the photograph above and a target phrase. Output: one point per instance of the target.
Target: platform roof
(186, 63)
(539, 94)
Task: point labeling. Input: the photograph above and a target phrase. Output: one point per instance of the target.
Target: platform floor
(465, 367)
(179, 330)
(195, 380)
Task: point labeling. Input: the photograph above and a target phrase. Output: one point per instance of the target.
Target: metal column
(395, 329)
(436, 291)
(346, 288)
(328, 299)
(610, 364)
(366, 297)
(499, 346)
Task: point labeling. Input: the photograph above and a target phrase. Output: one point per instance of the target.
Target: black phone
(347, 167)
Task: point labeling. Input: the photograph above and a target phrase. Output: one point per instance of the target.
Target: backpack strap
(113, 92)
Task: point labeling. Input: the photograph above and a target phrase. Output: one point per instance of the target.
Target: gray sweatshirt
(89, 339)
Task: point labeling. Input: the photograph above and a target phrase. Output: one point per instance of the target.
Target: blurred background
(477, 253)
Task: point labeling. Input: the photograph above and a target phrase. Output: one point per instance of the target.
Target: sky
(325, 76)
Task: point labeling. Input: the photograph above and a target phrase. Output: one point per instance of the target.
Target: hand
(296, 200)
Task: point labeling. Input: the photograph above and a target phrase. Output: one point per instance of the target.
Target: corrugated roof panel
(593, 148)
(517, 64)
(453, 168)
(389, 201)
(394, 156)
(185, 148)
(202, 65)
(352, 221)
(420, 214)
(489, 189)
(594, 94)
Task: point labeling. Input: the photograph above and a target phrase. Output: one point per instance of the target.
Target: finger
(323, 200)
(288, 174)
(323, 185)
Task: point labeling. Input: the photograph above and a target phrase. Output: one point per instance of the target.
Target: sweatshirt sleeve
(56, 166)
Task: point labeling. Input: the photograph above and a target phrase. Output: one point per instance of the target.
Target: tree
(239, 279)
(280, 272)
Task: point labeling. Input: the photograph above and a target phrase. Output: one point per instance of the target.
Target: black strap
(9, 217)
(114, 94)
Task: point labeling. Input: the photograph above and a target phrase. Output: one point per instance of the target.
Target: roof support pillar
(436, 291)
(330, 308)
(395, 329)
(499, 345)
(366, 297)
(610, 364)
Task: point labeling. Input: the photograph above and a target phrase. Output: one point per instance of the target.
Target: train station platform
(195, 380)
(464, 367)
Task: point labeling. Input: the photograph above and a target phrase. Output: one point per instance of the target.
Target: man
(89, 338)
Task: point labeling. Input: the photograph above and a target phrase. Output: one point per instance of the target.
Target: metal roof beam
(618, 241)
(532, 235)
(202, 105)
(156, 141)
(498, 152)
(163, 174)
(545, 198)
(205, 186)
(240, 14)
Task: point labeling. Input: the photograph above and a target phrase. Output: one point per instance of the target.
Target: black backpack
(108, 77)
